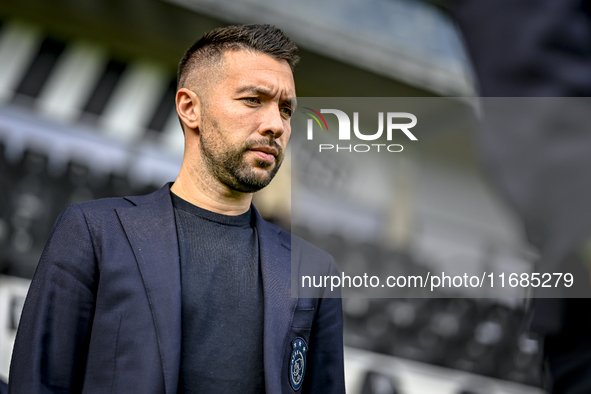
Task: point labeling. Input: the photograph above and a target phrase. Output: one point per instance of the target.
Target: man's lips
(265, 153)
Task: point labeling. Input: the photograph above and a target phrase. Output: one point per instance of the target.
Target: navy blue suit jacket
(103, 314)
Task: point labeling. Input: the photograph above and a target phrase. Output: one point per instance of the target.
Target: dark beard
(230, 168)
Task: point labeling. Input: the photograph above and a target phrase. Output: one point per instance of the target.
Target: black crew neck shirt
(222, 302)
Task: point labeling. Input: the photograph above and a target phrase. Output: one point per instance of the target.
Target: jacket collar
(279, 306)
(151, 231)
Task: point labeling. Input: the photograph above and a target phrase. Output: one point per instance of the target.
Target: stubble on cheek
(227, 162)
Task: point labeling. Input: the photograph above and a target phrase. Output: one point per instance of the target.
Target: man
(188, 289)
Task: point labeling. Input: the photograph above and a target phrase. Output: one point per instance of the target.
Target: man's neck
(215, 198)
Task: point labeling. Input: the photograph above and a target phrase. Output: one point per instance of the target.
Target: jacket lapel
(279, 306)
(151, 230)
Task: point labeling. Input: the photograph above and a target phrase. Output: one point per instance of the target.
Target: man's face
(245, 120)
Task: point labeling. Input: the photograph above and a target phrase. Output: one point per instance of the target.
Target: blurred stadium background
(86, 111)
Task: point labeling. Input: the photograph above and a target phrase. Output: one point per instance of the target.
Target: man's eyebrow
(255, 89)
(266, 92)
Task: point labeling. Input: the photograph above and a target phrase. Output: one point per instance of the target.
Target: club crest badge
(297, 363)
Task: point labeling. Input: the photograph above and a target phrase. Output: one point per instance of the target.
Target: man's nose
(273, 123)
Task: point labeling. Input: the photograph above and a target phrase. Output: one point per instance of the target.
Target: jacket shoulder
(308, 255)
(309, 248)
(312, 262)
(102, 204)
(312, 259)
(101, 214)
(296, 243)
(112, 203)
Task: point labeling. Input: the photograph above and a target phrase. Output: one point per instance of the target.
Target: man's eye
(287, 111)
(252, 100)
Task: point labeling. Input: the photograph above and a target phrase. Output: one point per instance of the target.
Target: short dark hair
(266, 39)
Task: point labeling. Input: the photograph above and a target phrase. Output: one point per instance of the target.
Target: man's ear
(188, 107)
